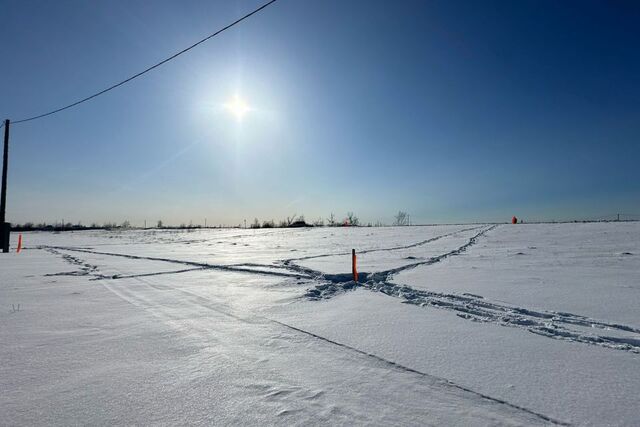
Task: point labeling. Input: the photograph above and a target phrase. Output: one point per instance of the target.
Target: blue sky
(451, 111)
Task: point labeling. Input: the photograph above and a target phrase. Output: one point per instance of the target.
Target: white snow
(450, 325)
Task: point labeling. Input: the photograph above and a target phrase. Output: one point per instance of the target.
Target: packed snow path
(172, 277)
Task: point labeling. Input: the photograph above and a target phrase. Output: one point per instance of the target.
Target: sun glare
(238, 107)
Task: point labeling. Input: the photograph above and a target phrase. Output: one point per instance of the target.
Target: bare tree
(331, 221)
(401, 218)
(256, 223)
(160, 224)
(318, 222)
(352, 219)
(291, 219)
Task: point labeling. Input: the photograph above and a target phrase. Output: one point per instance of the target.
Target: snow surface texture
(449, 325)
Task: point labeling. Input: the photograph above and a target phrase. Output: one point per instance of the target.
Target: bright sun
(238, 107)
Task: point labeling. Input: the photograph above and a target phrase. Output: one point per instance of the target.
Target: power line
(175, 55)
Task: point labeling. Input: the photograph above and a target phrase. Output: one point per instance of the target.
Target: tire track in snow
(551, 324)
(85, 269)
(132, 276)
(239, 268)
(423, 374)
(393, 248)
(290, 268)
(131, 295)
(555, 325)
(345, 278)
(336, 283)
(191, 298)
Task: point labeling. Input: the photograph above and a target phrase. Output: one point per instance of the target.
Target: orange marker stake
(353, 265)
(19, 243)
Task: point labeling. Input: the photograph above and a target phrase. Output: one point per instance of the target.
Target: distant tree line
(295, 221)
(68, 226)
(29, 226)
(125, 225)
(402, 218)
(292, 221)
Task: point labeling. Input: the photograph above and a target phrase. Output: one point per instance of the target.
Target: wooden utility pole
(5, 227)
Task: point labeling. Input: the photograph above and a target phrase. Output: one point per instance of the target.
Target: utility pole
(5, 227)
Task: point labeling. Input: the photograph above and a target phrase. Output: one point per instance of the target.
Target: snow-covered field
(450, 325)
